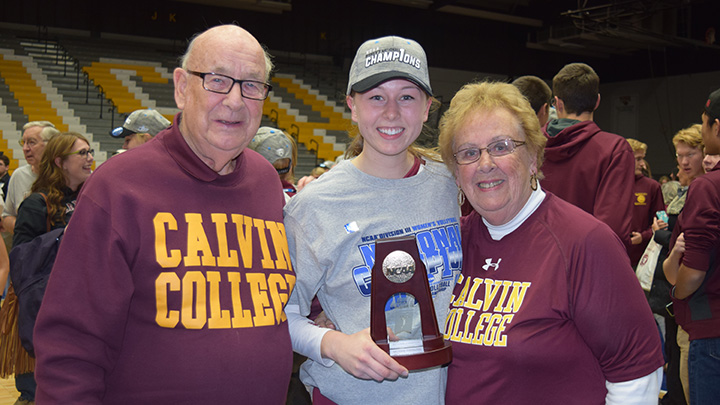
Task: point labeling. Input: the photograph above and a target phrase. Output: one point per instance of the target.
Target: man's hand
(360, 356)
(671, 265)
(635, 238)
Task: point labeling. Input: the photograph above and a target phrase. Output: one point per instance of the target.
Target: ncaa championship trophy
(408, 331)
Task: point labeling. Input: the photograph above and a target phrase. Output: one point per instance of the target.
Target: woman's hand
(324, 322)
(360, 356)
(304, 182)
(658, 224)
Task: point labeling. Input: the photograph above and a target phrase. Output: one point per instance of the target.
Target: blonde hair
(691, 136)
(636, 145)
(487, 96)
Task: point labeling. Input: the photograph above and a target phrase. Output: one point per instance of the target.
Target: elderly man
(35, 135)
(172, 289)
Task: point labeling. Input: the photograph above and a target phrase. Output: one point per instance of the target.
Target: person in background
(172, 289)
(139, 127)
(315, 173)
(538, 93)
(647, 200)
(645, 170)
(35, 135)
(585, 165)
(65, 165)
(710, 161)
(694, 270)
(545, 286)
(390, 187)
(281, 151)
(689, 152)
(4, 174)
(670, 190)
(6, 236)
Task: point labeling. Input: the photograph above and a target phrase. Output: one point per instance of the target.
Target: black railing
(112, 107)
(295, 132)
(66, 57)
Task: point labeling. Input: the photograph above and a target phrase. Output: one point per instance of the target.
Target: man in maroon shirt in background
(584, 165)
(694, 267)
(647, 200)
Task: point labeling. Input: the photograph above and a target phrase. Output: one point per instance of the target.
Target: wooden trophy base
(405, 273)
(429, 358)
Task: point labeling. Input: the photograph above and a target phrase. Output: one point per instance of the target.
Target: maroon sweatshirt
(170, 285)
(592, 169)
(647, 200)
(699, 314)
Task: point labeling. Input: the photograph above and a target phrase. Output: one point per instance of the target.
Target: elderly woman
(547, 308)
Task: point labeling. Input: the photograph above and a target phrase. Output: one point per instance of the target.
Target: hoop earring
(533, 182)
(460, 197)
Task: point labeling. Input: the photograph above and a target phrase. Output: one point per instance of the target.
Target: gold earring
(460, 197)
(533, 181)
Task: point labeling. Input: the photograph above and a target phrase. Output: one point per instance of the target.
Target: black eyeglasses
(498, 148)
(83, 153)
(221, 84)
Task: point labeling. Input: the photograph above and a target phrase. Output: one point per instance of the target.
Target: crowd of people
(193, 277)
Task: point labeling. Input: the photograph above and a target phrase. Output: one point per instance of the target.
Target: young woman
(389, 187)
(66, 164)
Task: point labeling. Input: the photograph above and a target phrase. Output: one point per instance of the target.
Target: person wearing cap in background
(171, 290)
(139, 127)
(693, 267)
(315, 173)
(279, 149)
(390, 187)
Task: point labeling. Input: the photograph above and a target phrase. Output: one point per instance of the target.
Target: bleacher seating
(136, 75)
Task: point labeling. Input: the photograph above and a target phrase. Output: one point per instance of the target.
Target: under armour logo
(489, 263)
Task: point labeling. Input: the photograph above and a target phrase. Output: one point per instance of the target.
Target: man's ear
(180, 77)
(543, 114)
(597, 103)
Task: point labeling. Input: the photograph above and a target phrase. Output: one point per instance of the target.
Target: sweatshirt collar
(180, 151)
(532, 204)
